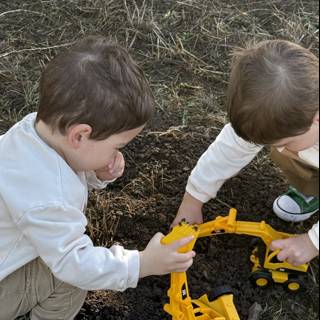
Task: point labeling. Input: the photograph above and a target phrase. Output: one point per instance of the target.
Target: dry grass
(177, 42)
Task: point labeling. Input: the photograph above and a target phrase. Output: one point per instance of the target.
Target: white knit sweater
(42, 203)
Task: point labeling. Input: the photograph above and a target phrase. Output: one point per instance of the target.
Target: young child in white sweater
(94, 100)
(273, 100)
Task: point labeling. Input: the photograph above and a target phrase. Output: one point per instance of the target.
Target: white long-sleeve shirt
(42, 203)
(226, 156)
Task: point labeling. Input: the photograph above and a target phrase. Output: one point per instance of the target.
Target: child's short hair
(95, 82)
(273, 91)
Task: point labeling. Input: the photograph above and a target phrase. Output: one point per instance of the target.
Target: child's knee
(65, 302)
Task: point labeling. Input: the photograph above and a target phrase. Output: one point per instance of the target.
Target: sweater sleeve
(58, 234)
(227, 155)
(94, 182)
(314, 235)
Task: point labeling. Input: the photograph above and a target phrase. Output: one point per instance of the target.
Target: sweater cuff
(133, 268)
(192, 190)
(95, 183)
(314, 235)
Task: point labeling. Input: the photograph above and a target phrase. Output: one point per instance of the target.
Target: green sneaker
(293, 206)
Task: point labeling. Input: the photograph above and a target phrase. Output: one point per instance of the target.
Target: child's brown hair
(273, 91)
(96, 82)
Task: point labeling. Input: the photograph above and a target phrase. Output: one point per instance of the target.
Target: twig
(36, 49)
(255, 312)
(188, 5)
(170, 131)
(21, 10)
(223, 203)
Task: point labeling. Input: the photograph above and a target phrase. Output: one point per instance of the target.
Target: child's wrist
(192, 201)
(313, 249)
(142, 271)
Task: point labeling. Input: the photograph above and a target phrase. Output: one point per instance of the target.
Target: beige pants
(34, 289)
(300, 175)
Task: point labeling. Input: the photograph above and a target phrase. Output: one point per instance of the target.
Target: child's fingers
(176, 221)
(158, 237)
(184, 257)
(182, 267)
(181, 243)
(292, 262)
(112, 163)
(118, 166)
(297, 263)
(117, 163)
(283, 255)
(277, 244)
(295, 260)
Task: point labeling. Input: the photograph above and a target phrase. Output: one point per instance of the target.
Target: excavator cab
(267, 269)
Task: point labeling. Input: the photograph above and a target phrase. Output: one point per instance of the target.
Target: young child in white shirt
(273, 100)
(94, 100)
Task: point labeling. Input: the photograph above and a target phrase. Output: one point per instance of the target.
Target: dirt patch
(158, 168)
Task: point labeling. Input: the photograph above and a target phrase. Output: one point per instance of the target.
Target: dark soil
(164, 163)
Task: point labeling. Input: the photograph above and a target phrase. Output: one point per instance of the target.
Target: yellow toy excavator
(265, 269)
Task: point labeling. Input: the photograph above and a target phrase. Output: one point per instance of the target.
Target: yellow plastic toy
(265, 270)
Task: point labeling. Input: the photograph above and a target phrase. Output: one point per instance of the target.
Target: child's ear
(78, 134)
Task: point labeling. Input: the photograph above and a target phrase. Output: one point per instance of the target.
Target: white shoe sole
(290, 217)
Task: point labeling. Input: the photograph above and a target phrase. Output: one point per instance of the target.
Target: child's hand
(113, 170)
(190, 210)
(296, 251)
(159, 259)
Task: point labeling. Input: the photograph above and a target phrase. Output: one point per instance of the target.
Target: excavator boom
(230, 224)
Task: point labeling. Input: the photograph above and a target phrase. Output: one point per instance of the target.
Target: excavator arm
(230, 224)
(260, 230)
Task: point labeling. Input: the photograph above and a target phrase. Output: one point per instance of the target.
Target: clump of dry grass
(176, 41)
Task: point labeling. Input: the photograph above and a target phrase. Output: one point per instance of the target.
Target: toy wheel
(219, 292)
(261, 279)
(294, 285)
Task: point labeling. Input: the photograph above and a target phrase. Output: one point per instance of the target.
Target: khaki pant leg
(64, 301)
(301, 176)
(34, 289)
(13, 295)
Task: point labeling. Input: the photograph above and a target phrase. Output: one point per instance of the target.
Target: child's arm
(223, 159)
(190, 210)
(57, 234)
(299, 250)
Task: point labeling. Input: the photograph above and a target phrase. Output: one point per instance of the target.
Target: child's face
(303, 141)
(87, 154)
